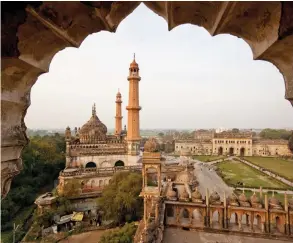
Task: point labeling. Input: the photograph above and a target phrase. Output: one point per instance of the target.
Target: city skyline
(189, 80)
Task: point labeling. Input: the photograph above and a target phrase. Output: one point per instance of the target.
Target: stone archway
(119, 163)
(90, 165)
(242, 152)
(220, 151)
(33, 32)
(231, 151)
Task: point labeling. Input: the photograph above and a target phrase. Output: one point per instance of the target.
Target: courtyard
(233, 172)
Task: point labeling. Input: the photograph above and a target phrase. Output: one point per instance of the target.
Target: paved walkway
(208, 178)
(88, 237)
(173, 235)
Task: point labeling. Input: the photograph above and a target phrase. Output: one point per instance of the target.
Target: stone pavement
(208, 178)
(173, 235)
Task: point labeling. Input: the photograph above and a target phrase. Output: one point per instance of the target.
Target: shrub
(122, 235)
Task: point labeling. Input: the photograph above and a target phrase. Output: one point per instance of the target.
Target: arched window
(119, 163)
(90, 165)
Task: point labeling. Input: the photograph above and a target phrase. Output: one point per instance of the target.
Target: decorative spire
(94, 113)
(133, 56)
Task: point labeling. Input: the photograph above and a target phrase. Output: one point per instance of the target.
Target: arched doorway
(43, 60)
(119, 163)
(231, 151)
(242, 152)
(90, 165)
(220, 151)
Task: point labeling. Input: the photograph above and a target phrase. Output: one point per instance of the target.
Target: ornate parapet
(107, 171)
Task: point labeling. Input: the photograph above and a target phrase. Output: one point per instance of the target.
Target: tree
(120, 200)
(71, 188)
(290, 144)
(122, 235)
(43, 158)
(161, 134)
(235, 130)
(275, 134)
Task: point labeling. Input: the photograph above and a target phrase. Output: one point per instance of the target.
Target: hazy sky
(188, 80)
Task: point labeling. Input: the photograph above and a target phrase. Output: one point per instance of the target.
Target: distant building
(229, 143)
(203, 134)
(93, 156)
(221, 129)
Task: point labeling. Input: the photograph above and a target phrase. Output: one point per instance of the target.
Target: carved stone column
(17, 79)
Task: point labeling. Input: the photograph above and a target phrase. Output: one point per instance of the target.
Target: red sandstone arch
(267, 27)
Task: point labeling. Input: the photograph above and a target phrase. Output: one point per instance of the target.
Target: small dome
(118, 94)
(196, 195)
(184, 194)
(171, 193)
(214, 196)
(93, 128)
(185, 177)
(242, 197)
(151, 145)
(254, 198)
(274, 201)
(233, 200)
(133, 64)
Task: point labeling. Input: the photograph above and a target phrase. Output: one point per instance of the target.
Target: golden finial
(134, 56)
(94, 110)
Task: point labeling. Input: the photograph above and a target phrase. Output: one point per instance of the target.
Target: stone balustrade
(98, 171)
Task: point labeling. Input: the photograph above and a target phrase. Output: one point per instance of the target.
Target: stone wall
(234, 146)
(271, 149)
(196, 147)
(104, 160)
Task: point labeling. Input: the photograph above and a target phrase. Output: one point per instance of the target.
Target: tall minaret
(133, 108)
(118, 117)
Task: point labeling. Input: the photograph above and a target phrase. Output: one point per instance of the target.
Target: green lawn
(234, 171)
(207, 158)
(280, 166)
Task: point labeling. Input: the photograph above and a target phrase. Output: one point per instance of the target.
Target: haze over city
(189, 80)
